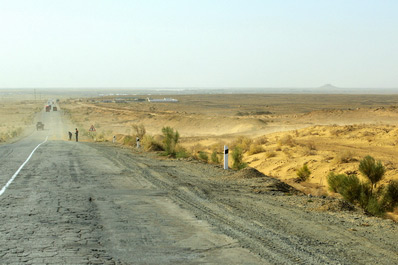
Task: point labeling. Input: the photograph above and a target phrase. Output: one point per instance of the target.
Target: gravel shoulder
(280, 225)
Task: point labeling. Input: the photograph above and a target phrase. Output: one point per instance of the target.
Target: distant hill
(329, 87)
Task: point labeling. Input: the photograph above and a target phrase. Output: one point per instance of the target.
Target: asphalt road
(72, 203)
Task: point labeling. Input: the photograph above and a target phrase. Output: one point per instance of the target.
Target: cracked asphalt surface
(71, 204)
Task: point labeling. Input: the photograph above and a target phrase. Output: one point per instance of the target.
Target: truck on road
(39, 126)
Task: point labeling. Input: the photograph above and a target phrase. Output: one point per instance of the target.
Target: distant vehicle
(39, 126)
(48, 108)
(55, 108)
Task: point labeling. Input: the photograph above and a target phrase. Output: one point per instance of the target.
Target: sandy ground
(326, 132)
(16, 116)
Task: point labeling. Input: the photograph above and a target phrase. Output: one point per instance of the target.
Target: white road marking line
(19, 169)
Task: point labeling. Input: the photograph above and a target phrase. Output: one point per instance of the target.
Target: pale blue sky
(202, 43)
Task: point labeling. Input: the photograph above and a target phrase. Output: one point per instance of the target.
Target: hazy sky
(198, 43)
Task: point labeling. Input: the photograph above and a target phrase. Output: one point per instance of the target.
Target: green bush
(335, 181)
(390, 198)
(303, 173)
(373, 201)
(214, 157)
(237, 158)
(371, 169)
(374, 207)
(203, 156)
(350, 188)
(170, 141)
(366, 194)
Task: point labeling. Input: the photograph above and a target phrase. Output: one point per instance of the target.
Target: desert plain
(280, 132)
(97, 201)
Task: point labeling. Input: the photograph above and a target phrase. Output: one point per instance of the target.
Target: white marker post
(138, 142)
(225, 157)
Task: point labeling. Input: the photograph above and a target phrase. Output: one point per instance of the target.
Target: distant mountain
(329, 87)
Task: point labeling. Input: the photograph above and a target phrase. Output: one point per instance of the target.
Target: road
(70, 204)
(99, 203)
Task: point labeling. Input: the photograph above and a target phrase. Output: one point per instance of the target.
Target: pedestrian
(77, 135)
(70, 135)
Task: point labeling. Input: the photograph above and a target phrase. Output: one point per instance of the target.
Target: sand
(326, 132)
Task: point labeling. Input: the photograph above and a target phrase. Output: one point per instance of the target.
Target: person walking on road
(70, 136)
(77, 135)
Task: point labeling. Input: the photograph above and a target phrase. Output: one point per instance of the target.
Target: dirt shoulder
(264, 215)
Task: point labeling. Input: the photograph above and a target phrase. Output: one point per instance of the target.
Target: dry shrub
(218, 147)
(214, 157)
(270, 154)
(335, 132)
(203, 156)
(287, 140)
(345, 157)
(139, 130)
(308, 151)
(311, 145)
(129, 140)
(287, 152)
(255, 149)
(151, 144)
(195, 149)
(367, 133)
(243, 143)
(261, 140)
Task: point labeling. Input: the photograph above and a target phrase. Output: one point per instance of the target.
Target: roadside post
(138, 142)
(225, 157)
(114, 139)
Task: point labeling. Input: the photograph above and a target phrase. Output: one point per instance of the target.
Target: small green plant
(181, 152)
(203, 156)
(170, 141)
(214, 157)
(390, 198)
(303, 173)
(237, 157)
(371, 169)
